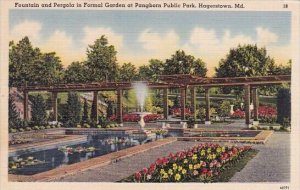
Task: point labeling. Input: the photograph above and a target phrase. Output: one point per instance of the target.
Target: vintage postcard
(150, 94)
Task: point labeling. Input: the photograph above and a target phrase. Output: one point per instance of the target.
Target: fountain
(141, 91)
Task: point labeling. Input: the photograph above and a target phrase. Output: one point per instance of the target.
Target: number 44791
(284, 187)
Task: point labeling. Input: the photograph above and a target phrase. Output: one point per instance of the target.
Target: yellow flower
(165, 176)
(174, 166)
(202, 153)
(179, 168)
(223, 149)
(210, 157)
(170, 172)
(214, 156)
(177, 177)
(162, 171)
(219, 149)
(194, 157)
(183, 171)
(190, 166)
(209, 150)
(185, 161)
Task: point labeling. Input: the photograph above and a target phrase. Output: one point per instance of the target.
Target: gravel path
(271, 164)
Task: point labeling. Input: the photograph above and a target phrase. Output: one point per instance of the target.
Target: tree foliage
(247, 60)
(283, 105)
(27, 63)
(72, 112)
(101, 61)
(85, 116)
(38, 110)
(76, 73)
(127, 72)
(14, 120)
(181, 63)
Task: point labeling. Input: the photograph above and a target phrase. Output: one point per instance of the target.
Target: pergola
(182, 82)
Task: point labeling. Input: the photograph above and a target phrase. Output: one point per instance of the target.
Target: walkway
(270, 165)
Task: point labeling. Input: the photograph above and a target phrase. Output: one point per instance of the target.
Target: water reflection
(102, 144)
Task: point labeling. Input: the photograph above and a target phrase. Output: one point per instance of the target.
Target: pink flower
(137, 175)
(209, 173)
(195, 172)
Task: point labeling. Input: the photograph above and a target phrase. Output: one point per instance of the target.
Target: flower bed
(201, 163)
(136, 117)
(266, 114)
(176, 112)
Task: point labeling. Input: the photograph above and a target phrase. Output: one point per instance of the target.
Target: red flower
(145, 170)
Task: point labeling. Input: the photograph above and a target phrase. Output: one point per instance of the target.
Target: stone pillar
(247, 103)
(255, 100)
(165, 103)
(182, 102)
(119, 106)
(54, 105)
(25, 106)
(207, 107)
(193, 102)
(95, 106)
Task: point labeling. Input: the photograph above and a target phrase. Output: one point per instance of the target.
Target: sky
(141, 35)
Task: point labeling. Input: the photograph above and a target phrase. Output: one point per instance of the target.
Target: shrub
(48, 127)
(42, 127)
(283, 104)
(21, 130)
(78, 126)
(28, 129)
(86, 125)
(36, 128)
(12, 130)
(99, 126)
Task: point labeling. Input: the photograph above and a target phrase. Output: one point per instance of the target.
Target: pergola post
(247, 103)
(54, 105)
(165, 103)
(207, 107)
(255, 100)
(182, 102)
(193, 102)
(25, 106)
(119, 106)
(95, 106)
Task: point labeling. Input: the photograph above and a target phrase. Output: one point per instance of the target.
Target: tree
(73, 110)
(22, 57)
(151, 71)
(280, 69)
(110, 110)
(224, 109)
(28, 64)
(38, 111)
(176, 102)
(181, 63)
(244, 61)
(76, 73)
(144, 73)
(127, 72)
(14, 120)
(47, 70)
(85, 116)
(283, 105)
(101, 61)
